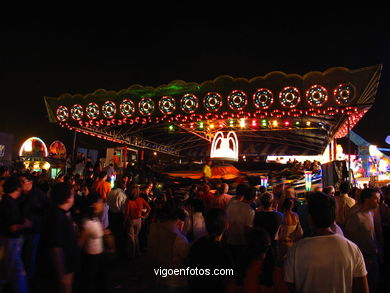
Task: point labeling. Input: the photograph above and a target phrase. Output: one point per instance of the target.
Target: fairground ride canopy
(275, 114)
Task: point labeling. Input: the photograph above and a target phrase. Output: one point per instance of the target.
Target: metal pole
(349, 151)
(74, 149)
(124, 159)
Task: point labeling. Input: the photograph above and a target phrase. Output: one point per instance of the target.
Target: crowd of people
(65, 235)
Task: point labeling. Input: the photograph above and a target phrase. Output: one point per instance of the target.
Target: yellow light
(46, 166)
(28, 146)
(308, 123)
(275, 123)
(211, 126)
(242, 122)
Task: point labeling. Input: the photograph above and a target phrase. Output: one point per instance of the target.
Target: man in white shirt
(325, 262)
(116, 201)
(240, 216)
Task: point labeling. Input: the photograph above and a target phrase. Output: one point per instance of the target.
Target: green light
(201, 125)
(171, 128)
(231, 123)
(297, 123)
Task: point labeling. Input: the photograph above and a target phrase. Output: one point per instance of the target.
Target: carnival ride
(275, 114)
(36, 157)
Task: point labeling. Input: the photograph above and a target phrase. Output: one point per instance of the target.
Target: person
(148, 193)
(360, 228)
(91, 244)
(343, 205)
(207, 173)
(4, 171)
(98, 167)
(257, 270)
(221, 198)
(12, 225)
(101, 186)
(194, 224)
(290, 230)
(88, 168)
(240, 217)
(135, 209)
(336, 263)
(2, 180)
(116, 200)
(267, 218)
(34, 203)
(167, 248)
(80, 166)
(58, 250)
(204, 193)
(330, 190)
(208, 252)
(110, 170)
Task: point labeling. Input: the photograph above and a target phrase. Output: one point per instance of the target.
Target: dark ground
(127, 276)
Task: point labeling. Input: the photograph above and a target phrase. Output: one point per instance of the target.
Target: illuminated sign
(224, 148)
(33, 145)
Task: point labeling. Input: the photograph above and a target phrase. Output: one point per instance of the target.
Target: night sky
(48, 59)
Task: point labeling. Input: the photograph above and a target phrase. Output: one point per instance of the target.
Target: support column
(124, 159)
(349, 151)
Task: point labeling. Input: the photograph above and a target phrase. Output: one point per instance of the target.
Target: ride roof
(275, 114)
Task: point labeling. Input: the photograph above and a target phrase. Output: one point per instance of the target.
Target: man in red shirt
(102, 187)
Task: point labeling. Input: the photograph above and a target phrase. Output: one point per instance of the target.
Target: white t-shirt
(240, 216)
(94, 241)
(324, 264)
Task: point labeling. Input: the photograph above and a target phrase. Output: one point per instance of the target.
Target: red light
(254, 123)
(287, 123)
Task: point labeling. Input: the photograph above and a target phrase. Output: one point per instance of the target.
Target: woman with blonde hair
(290, 231)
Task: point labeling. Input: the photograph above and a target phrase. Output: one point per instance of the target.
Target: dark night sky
(48, 59)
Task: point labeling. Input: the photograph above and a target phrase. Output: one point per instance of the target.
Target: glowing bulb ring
(263, 98)
(109, 109)
(167, 105)
(349, 110)
(77, 112)
(344, 93)
(237, 100)
(146, 106)
(189, 103)
(317, 95)
(127, 108)
(62, 113)
(277, 113)
(289, 97)
(331, 111)
(92, 111)
(295, 113)
(260, 114)
(212, 102)
(313, 112)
